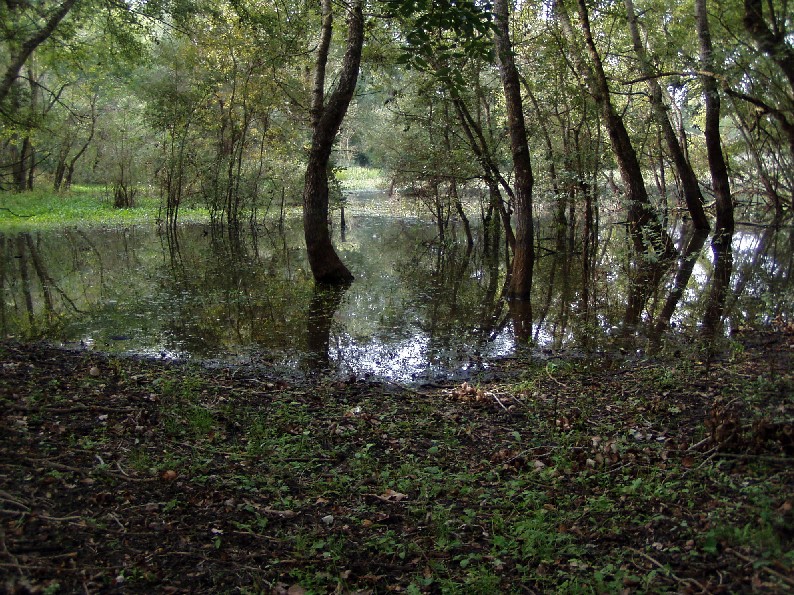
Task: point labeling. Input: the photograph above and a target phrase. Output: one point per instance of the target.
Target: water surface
(418, 309)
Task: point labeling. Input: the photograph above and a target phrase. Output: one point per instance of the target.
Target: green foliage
(440, 34)
(84, 205)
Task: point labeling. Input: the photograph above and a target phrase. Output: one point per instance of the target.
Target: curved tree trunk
(524, 251)
(645, 228)
(23, 52)
(327, 117)
(770, 41)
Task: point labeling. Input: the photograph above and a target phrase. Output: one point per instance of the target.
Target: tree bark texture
(327, 116)
(717, 165)
(770, 41)
(524, 253)
(689, 181)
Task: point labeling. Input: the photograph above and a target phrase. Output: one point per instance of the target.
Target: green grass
(83, 205)
(360, 178)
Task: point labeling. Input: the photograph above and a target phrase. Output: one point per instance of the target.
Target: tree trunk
(693, 245)
(717, 165)
(324, 304)
(524, 252)
(18, 59)
(491, 174)
(689, 181)
(770, 41)
(326, 266)
(645, 229)
(20, 167)
(718, 291)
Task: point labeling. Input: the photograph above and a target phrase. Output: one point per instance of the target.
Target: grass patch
(82, 205)
(360, 178)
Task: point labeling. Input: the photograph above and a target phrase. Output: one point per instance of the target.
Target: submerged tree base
(144, 476)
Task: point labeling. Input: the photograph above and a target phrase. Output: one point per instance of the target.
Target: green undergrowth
(82, 205)
(355, 178)
(568, 478)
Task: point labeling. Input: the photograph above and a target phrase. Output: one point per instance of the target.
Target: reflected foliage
(419, 307)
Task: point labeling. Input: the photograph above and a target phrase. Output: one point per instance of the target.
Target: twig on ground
(744, 455)
(553, 378)
(9, 499)
(766, 569)
(502, 405)
(673, 575)
(697, 445)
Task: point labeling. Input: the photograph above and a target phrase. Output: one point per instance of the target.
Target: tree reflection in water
(418, 307)
(323, 306)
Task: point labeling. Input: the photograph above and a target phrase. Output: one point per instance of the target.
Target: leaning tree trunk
(524, 252)
(717, 165)
(773, 42)
(21, 54)
(645, 228)
(327, 117)
(689, 181)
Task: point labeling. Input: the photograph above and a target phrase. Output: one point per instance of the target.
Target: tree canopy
(211, 102)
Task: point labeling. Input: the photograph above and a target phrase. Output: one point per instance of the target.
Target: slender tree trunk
(453, 182)
(718, 290)
(693, 245)
(491, 174)
(689, 181)
(644, 226)
(717, 165)
(461, 213)
(21, 165)
(560, 219)
(524, 252)
(327, 117)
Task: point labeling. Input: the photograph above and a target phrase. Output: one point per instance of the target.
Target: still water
(417, 310)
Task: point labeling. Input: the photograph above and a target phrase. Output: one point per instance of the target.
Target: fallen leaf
(389, 496)
(394, 496)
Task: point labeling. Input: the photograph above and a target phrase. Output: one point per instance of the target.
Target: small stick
(502, 405)
(699, 444)
(771, 571)
(670, 572)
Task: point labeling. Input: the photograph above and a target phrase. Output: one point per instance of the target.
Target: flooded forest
(396, 296)
(547, 178)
